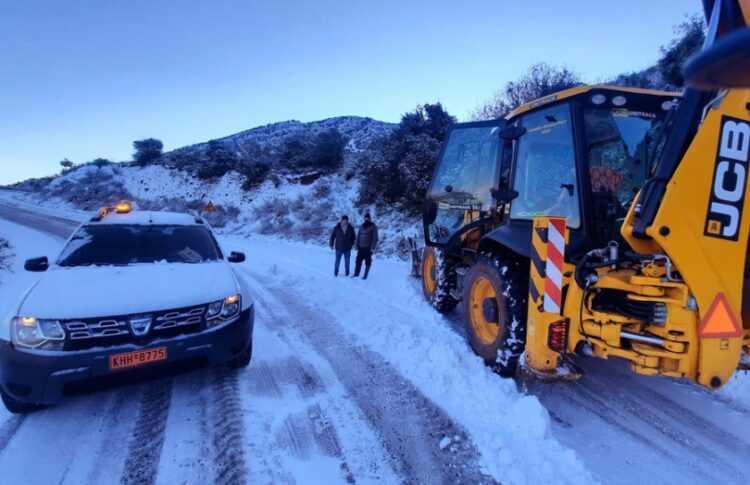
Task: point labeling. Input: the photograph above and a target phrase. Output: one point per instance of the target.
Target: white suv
(131, 290)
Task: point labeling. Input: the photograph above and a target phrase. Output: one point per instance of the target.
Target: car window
(133, 244)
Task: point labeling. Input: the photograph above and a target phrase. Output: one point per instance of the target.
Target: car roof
(148, 218)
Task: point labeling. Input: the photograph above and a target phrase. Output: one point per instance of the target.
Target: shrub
(147, 150)
(540, 80)
(255, 174)
(398, 168)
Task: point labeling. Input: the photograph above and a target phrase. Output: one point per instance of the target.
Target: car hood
(91, 291)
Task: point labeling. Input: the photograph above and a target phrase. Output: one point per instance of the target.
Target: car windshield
(132, 244)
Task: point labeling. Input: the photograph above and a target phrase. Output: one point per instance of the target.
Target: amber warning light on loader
(719, 321)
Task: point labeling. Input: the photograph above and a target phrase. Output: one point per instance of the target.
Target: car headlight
(35, 333)
(220, 311)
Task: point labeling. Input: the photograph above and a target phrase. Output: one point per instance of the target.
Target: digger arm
(695, 209)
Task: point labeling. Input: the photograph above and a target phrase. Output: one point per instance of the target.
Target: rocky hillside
(282, 149)
(358, 131)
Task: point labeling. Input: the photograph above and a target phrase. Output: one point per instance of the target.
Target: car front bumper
(41, 377)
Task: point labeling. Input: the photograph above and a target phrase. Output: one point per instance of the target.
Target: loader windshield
(466, 173)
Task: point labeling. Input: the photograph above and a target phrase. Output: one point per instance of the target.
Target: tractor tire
(495, 306)
(438, 279)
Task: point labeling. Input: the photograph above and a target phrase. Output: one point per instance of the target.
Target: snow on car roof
(148, 217)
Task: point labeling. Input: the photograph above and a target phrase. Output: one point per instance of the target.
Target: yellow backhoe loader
(605, 221)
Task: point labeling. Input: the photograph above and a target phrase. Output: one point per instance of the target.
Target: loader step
(566, 371)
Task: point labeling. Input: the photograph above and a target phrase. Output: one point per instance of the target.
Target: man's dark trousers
(363, 254)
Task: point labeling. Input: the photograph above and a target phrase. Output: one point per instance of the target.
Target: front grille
(88, 333)
(96, 329)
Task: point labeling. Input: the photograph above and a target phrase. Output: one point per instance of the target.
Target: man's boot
(367, 271)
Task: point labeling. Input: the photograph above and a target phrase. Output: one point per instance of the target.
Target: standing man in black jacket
(367, 239)
(342, 239)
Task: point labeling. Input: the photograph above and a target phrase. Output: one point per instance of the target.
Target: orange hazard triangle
(719, 321)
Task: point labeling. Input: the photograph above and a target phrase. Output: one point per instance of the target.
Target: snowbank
(4, 254)
(737, 389)
(13, 277)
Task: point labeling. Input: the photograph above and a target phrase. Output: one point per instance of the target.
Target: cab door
(460, 196)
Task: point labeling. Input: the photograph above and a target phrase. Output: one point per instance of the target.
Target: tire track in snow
(144, 450)
(110, 451)
(652, 421)
(228, 429)
(692, 435)
(9, 428)
(298, 431)
(410, 426)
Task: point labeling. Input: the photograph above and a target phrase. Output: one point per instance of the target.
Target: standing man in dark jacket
(342, 239)
(367, 239)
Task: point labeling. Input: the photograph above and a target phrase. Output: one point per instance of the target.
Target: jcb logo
(730, 174)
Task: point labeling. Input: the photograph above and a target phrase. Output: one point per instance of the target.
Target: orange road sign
(210, 207)
(719, 321)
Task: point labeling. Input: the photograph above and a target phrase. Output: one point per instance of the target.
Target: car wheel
(242, 360)
(19, 407)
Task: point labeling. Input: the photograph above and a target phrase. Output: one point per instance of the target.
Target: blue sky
(84, 78)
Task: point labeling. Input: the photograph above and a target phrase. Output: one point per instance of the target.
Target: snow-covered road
(359, 381)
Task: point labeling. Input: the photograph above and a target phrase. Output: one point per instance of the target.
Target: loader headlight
(34, 333)
(598, 99)
(619, 101)
(220, 311)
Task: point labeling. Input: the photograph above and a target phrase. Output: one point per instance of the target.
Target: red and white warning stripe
(554, 268)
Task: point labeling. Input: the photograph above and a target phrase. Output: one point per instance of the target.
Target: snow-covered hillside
(359, 132)
(296, 205)
(292, 209)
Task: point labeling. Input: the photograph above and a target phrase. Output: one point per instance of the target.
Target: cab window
(465, 176)
(619, 143)
(468, 168)
(545, 171)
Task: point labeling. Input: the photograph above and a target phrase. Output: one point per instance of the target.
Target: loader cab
(582, 154)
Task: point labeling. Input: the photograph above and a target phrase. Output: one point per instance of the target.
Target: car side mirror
(236, 257)
(36, 264)
(726, 64)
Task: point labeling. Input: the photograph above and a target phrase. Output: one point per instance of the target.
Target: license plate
(137, 358)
